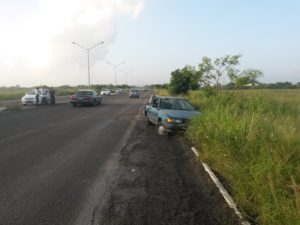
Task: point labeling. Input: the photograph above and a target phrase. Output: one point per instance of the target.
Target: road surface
(64, 165)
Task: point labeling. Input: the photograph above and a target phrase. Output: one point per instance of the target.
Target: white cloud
(39, 50)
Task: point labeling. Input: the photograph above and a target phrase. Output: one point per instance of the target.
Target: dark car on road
(85, 97)
(169, 114)
(134, 93)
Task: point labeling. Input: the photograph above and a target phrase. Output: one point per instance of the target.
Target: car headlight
(171, 120)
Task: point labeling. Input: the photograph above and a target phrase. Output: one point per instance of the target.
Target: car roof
(85, 90)
(174, 97)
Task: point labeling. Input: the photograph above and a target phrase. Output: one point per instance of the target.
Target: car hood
(181, 114)
(32, 96)
(29, 96)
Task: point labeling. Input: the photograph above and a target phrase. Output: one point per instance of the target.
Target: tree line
(209, 74)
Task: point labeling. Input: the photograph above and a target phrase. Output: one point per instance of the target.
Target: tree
(245, 77)
(183, 80)
(212, 71)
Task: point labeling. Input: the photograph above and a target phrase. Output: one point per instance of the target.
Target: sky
(152, 37)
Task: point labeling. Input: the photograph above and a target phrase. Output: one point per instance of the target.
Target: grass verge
(252, 139)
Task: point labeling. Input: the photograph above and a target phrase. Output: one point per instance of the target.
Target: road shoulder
(158, 181)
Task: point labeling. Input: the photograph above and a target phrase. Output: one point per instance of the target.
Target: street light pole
(115, 67)
(89, 73)
(126, 72)
(88, 57)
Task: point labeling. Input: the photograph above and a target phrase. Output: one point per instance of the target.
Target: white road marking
(221, 188)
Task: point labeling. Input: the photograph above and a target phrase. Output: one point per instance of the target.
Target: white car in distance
(30, 98)
(106, 92)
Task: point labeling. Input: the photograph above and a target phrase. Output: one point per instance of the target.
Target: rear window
(84, 93)
(175, 104)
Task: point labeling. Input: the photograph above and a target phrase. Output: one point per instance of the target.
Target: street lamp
(126, 72)
(88, 56)
(115, 66)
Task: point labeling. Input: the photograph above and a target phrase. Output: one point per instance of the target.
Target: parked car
(169, 114)
(30, 97)
(106, 92)
(85, 97)
(119, 92)
(134, 93)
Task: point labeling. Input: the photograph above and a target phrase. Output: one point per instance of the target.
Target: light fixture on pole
(88, 56)
(115, 66)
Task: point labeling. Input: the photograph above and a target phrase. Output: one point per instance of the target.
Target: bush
(183, 80)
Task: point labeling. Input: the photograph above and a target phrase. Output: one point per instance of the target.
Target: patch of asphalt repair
(157, 181)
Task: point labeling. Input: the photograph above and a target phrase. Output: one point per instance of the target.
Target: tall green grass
(12, 94)
(18, 93)
(252, 138)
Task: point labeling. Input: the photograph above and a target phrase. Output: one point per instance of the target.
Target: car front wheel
(161, 131)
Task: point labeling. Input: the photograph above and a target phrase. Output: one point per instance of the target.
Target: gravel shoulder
(158, 181)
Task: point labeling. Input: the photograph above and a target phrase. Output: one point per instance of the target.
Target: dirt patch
(158, 181)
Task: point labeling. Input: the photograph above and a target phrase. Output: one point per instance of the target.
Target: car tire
(161, 131)
(74, 104)
(94, 103)
(148, 122)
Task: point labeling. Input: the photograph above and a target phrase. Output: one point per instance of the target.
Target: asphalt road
(62, 165)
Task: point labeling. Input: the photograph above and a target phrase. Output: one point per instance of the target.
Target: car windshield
(84, 93)
(175, 104)
(31, 92)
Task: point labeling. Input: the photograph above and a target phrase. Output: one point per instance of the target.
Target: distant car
(106, 92)
(85, 97)
(30, 98)
(134, 93)
(169, 114)
(119, 92)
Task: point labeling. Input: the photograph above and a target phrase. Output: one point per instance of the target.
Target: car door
(96, 96)
(152, 110)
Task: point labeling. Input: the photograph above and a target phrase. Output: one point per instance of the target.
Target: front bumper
(134, 96)
(173, 127)
(28, 101)
(82, 102)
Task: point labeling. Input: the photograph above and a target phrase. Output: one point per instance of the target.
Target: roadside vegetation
(252, 139)
(12, 93)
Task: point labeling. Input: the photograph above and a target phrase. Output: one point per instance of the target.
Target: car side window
(150, 100)
(155, 102)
